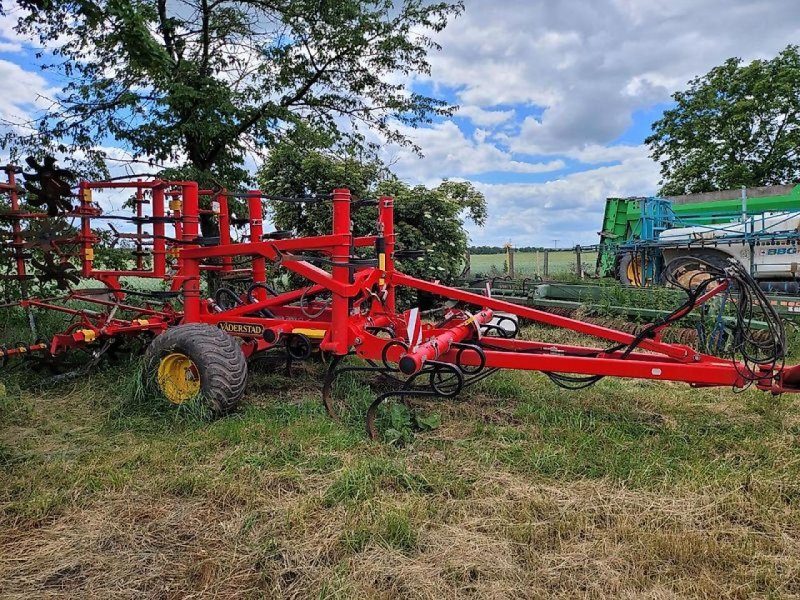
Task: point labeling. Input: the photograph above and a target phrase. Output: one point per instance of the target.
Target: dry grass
(627, 490)
(508, 539)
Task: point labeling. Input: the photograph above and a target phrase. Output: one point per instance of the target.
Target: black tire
(623, 277)
(694, 261)
(219, 361)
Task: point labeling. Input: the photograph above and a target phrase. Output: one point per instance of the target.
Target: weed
(390, 527)
(367, 477)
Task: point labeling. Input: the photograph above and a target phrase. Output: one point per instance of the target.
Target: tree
(199, 83)
(737, 125)
(428, 219)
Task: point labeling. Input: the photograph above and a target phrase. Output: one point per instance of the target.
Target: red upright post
(338, 343)
(159, 243)
(175, 211)
(191, 268)
(224, 228)
(386, 259)
(87, 249)
(191, 290)
(191, 211)
(139, 229)
(256, 232)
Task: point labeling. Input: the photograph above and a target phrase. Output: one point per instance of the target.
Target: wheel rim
(178, 378)
(691, 276)
(634, 271)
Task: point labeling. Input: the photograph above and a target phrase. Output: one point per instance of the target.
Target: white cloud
(449, 153)
(10, 40)
(569, 209)
(485, 118)
(589, 65)
(594, 153)
(527, 142)
(23, 92)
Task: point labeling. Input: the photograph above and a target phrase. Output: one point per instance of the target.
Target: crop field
(532, 263)
(518, 489)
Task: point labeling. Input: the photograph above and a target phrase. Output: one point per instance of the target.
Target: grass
(529, 264)
(624, 490)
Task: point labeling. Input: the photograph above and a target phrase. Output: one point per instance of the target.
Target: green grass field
(624, 490)
(532, 263)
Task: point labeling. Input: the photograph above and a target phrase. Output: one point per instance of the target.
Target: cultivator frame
(418, 359)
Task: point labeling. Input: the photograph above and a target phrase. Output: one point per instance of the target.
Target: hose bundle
(752, 352)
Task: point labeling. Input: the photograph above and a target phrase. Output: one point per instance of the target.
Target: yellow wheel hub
(636, 271)
(178, 378)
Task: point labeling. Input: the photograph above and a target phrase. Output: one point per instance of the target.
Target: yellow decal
(316, 334)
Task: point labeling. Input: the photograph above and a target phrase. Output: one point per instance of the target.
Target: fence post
(578, 265)
(510, 260)
(546, 264)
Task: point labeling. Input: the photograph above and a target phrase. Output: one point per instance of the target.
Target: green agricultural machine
(758, 227)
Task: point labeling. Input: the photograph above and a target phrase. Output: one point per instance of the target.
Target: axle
(412, 362)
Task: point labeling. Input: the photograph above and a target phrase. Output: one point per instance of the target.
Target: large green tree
(202, 82)
(427, 219)
(739, 124)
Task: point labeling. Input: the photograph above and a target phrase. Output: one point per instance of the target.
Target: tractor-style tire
(629, 270)
(197, 360)
(690, 262)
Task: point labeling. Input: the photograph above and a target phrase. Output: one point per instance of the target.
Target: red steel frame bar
(256, 212)
(191, 268)
(191, 210)
(673, 350)
(159, 243)
(411, 362)
(340, 305)
(224, 229)
(175, 205)
(139, 228)
(386, 221)
(702, 373)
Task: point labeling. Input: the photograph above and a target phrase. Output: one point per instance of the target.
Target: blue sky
(556, 97)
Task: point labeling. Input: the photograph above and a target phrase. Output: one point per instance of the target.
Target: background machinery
(757, 227)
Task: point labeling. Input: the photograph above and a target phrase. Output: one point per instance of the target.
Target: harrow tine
(48, 185)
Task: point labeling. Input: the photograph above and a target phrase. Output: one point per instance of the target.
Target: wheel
(197, 359)
(630, 270)
(692, 269)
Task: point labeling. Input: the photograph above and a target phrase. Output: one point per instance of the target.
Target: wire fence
(540, 262)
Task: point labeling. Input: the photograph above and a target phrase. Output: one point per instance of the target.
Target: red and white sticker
(413, 327)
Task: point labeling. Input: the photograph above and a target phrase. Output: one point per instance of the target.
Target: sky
(556, 98)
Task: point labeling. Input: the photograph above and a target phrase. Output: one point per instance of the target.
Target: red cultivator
(345, 306)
